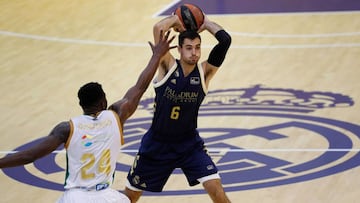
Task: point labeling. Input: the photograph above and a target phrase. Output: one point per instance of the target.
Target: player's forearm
(166, 24)
(16, 159)
(148, 73)
(135, 93)
(212, 27)
(218, 53)
(49, 144)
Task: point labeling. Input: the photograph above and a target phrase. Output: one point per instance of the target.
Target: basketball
(190, 15)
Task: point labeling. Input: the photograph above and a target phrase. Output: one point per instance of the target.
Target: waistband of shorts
(173, 137)
(97, 187)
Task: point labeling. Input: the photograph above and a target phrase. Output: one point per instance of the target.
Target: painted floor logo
(263, 154)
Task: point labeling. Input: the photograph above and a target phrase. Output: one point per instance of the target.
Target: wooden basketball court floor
(50, 48)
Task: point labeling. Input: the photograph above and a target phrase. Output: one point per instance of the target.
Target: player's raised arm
(168, 23)
(127, 106)
(218, 53)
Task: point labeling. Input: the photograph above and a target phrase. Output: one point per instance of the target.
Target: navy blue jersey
(173, 140)
(177, 101)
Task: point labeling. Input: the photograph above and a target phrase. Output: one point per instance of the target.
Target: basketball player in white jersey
(93, 140)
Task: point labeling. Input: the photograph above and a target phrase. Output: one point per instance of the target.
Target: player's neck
(92, 112)
(187, 68)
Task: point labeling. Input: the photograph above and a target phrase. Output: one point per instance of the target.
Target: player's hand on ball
(203, 25)
(178, 25)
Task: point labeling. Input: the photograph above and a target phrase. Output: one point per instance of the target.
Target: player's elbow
(157, 28)
(228, 40)
(225, 40)
(218, 53)
(30, 157)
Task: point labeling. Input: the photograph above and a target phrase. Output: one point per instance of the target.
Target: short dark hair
(188, 34)
(90, 94)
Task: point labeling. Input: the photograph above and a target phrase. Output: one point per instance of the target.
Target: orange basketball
(190, 15)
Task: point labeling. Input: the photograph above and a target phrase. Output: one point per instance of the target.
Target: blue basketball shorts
(152, 167)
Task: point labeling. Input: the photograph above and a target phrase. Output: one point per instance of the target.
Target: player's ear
(104, 103)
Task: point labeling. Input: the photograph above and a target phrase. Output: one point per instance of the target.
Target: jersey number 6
(175, 112)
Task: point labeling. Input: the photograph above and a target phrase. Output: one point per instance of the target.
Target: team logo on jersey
(194, 80)
(258, 137)
(86, 140)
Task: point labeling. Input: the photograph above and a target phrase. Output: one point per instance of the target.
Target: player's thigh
(149, 174)
(198, 164)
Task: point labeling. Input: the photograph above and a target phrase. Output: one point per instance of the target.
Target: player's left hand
(203, 26)
(163, 46)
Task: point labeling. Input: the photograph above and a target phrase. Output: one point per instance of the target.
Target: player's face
(190, 51)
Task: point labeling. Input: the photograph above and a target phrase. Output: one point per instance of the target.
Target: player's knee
(213, 186)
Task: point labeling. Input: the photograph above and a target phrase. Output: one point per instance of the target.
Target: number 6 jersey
(177, 101)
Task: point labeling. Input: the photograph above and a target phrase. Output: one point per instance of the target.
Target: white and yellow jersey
(92, 150)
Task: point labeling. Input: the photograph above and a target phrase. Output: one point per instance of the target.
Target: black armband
(217, 54)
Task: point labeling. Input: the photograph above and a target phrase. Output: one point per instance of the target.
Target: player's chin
(193, 62)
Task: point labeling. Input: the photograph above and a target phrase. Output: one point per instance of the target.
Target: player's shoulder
(63, 125)
(62, 130)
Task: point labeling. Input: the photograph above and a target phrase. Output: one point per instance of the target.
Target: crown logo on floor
(260, 98)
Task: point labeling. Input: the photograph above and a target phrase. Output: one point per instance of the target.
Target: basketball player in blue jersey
(173, 140)
(93, 140)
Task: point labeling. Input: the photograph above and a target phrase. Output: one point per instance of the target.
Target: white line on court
(73, 41)
(297, 46)
(236, 150)
(126, 44)
(325, 35)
